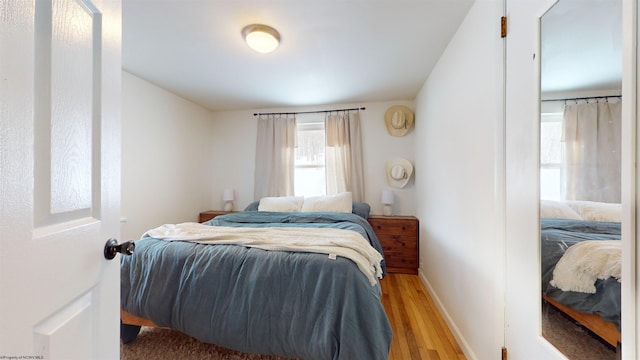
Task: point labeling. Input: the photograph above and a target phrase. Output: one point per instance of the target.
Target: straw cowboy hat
(399, 172)
(399, 120)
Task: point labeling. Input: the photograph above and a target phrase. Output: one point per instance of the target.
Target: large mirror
(580, 211)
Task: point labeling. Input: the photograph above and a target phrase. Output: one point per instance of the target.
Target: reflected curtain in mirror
(591, 134)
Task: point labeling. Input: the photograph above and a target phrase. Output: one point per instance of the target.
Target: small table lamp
(387, 202)
(227, 196)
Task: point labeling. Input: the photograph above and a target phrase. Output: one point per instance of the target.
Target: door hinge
(503, 27)
(504, 353)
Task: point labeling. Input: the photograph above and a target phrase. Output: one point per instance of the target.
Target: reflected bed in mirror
(581, 73)
(580, 252)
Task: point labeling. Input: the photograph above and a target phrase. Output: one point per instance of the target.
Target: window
(309, 173)
(551, 157)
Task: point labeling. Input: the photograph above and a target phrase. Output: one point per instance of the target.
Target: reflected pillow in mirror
(558, 210)
(597, 211)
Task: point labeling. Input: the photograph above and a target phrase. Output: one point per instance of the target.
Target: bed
(580, 263)
(263, 297)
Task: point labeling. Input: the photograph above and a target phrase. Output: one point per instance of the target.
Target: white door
(59, 178)
(523, 326)
(523, 315)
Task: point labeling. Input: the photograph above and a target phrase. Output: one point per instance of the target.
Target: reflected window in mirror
(551, 156)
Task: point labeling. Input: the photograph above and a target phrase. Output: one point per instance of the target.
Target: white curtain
(343, 154)
(275, 151)
(591, 132)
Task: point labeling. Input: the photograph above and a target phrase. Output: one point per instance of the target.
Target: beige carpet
(153, 343)
(574, 341)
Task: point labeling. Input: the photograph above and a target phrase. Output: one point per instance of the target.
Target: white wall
(178, 157)
(166, 147)
(233, 154)
(459, 151)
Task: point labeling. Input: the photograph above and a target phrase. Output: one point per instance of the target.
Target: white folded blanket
(585, 262)
(334, 242)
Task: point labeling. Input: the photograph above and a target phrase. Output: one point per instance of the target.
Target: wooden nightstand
(208, 215)
(398, 236)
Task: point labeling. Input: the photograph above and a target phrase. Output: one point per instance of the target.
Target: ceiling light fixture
(261, 38)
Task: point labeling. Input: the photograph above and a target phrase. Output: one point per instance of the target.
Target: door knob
(112, 247)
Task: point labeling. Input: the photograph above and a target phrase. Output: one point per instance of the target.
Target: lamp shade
(227, 195)
(387, 197)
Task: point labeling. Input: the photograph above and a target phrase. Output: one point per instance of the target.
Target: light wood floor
(419, 331)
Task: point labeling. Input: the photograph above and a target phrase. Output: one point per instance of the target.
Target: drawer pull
(398, 239)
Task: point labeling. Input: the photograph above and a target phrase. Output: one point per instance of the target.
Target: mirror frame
(629, 177)
(630, 174)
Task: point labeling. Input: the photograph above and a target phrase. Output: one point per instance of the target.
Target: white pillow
(597, 211)
(281, 203)
(335, 203)
(556, 209)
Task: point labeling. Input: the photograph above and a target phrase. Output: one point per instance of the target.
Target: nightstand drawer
(400, 262)
(400, 252)
(396, 227)
(400, 242)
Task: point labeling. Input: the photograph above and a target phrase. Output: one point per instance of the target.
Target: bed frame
(133, 320)
(130, 326)
(607, 331)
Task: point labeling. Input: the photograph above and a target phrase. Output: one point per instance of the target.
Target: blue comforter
(557, 235)
(291, 304)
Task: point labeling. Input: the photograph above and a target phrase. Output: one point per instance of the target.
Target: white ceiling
(332, 51)
(342, 51)
(582, 46)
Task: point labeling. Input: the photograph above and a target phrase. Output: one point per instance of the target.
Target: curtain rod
(585, 98)
(307, 112)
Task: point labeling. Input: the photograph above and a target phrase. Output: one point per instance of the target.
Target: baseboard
(464, 346)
